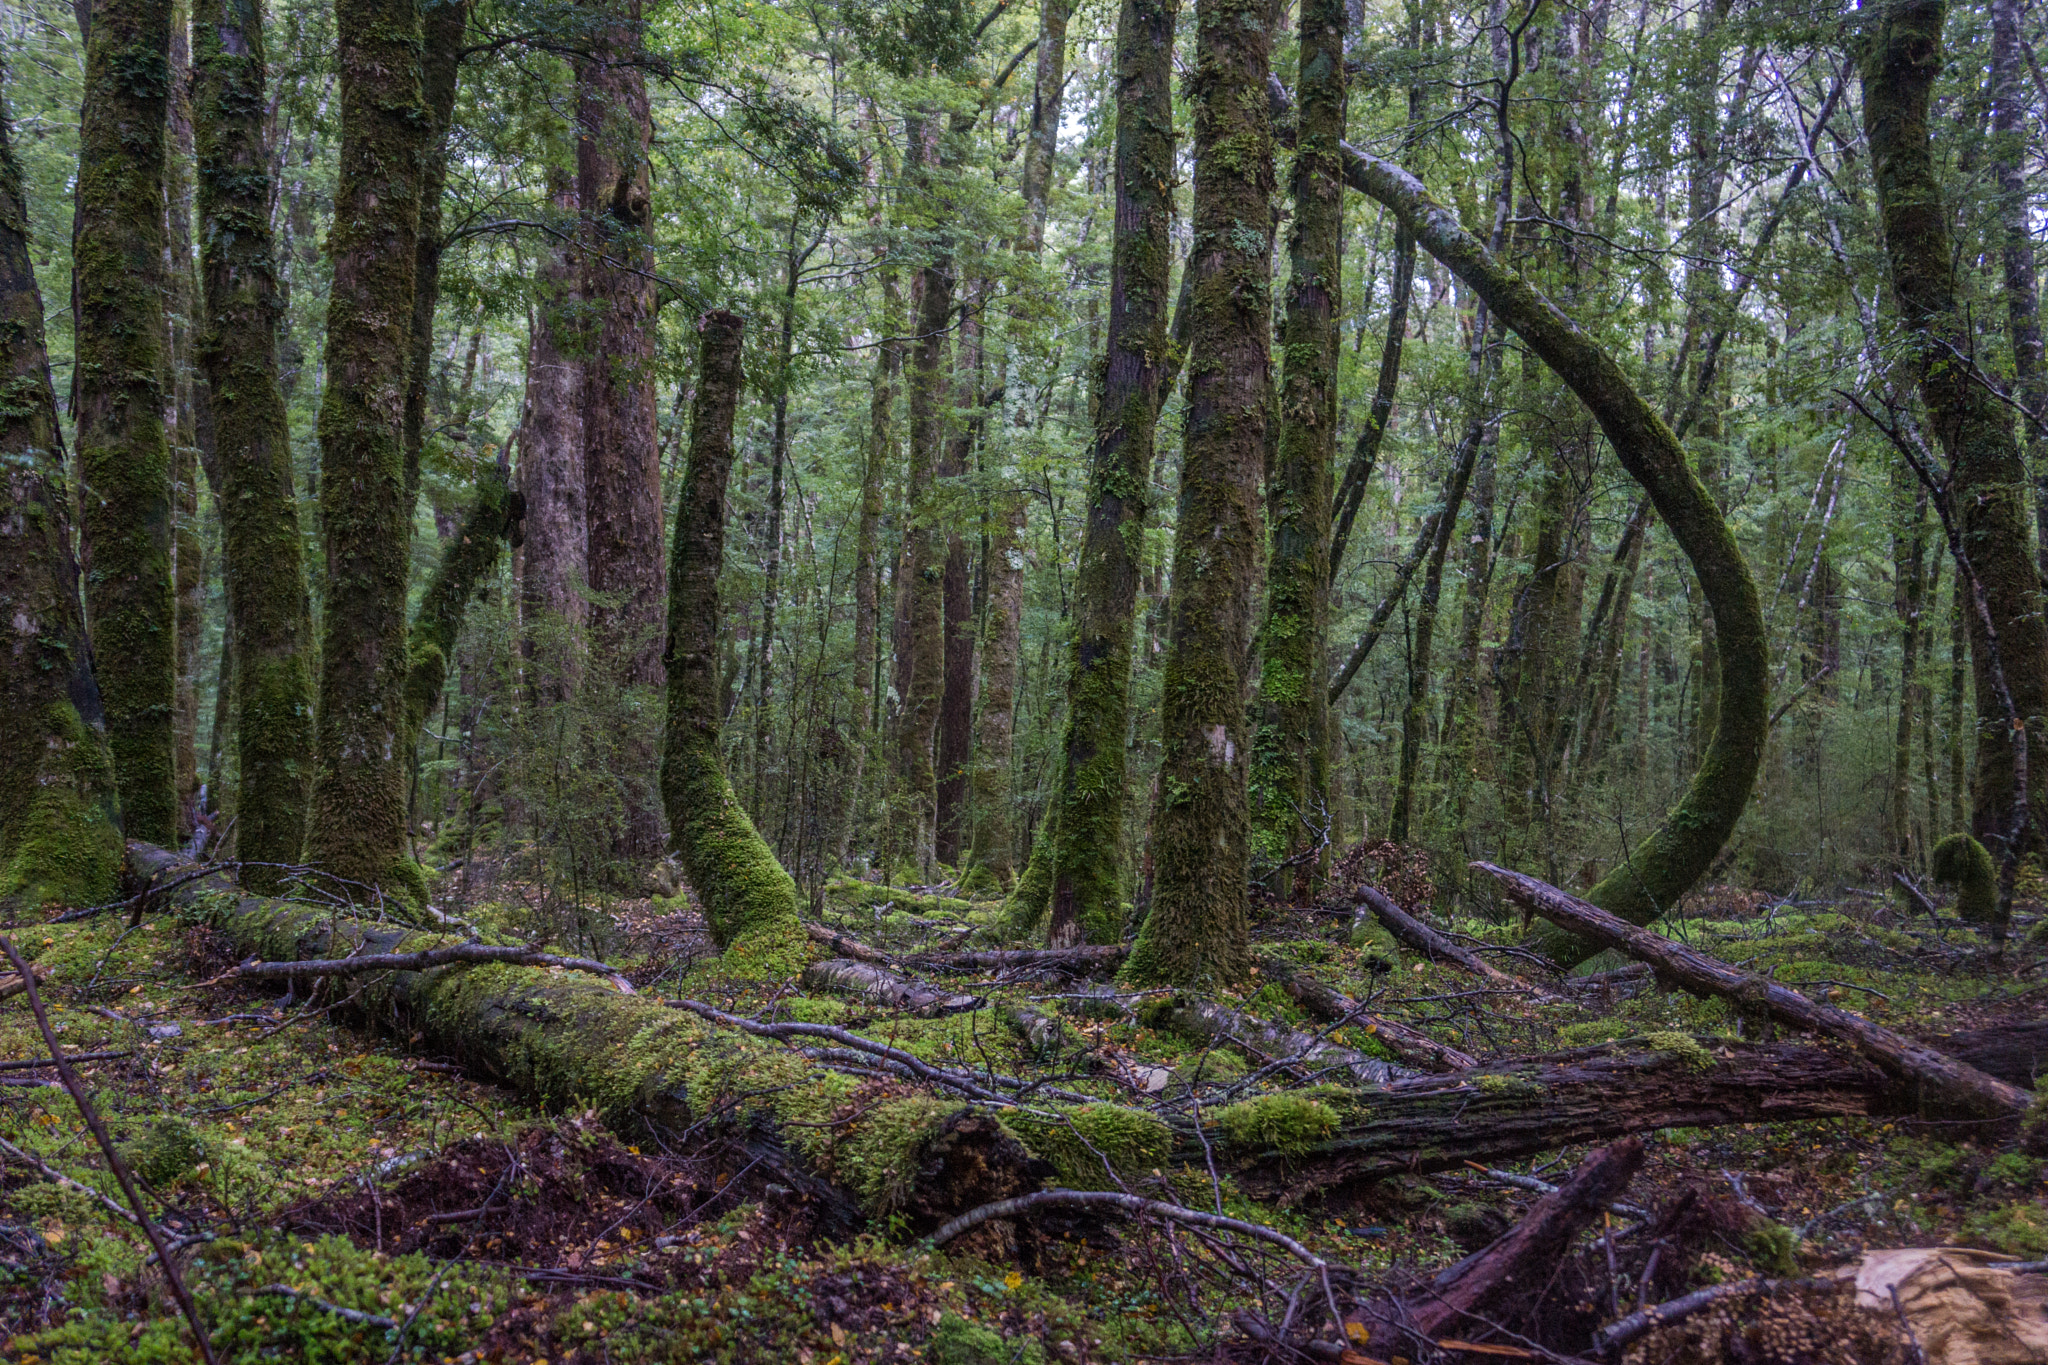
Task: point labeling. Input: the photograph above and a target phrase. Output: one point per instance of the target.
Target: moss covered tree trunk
(188, 546)
(1290, 780)
(269, 621)
(1198, 928)
(469, 560)
(358, 813)
(555, 567)
(622, 458)
(124, 454)
(442, 24)
(2011, 115)
(1659, 870)
(1001, 636)
(1988, 477)
(954, 748)
(1079, 852)
(60, 831)
(749, 901)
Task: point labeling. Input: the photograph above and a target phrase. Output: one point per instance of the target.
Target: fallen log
(1269, 1045)
(1084, 960)
(880, 986)
(1523, 1106)
(848, 947)
(2016, 1053)
(355, 964)
(1430, 943)
(1945, 1083)
(1330, 1005)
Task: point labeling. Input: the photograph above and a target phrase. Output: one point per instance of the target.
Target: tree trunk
(1042, 140)
(188, 547)
(442, 25)
(469, 560)
(270, 624)
(124, 456)
(997, 670)
(60, 815)
(622, 461)
(1415, 715)
(556, 562)
(1365, 455)
(1198, 926)
(358, 825)
(1988, 477)
(771, 541)
(955, 742)
(1083, 862)
(1909, 557)
(749, 901)
(1290, 779)
(2010, 121)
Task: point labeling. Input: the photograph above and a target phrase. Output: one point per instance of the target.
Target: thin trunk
(555, 562)
(1082, 875)
(358, 823)
(997, 670)
(1415, 717)
(1198, 926)
(1290, 778)
(771, 557)
(622, 457)
(1909, 555)
(955, 743)
(1365, 455)
(188, 546)
(2011, 119)
(1041, 142)
(60, 821)
(442, 24)
(749, 901)
(878, 458)
(124, 455)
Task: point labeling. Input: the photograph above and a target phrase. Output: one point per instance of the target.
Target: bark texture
(188, 546)
(469, 561)
(1198, 928)
(124, 455)
(555, 567)
(749, 901)
(442, 24)
(60, 830)
(1083, 873)
(270, 625)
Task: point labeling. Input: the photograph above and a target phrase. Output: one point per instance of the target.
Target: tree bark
(622, 460)
(60, 814)
(556, 563)
(442, 25)
(1002, 629)
(771, 558)
(1365, 455)
(1198, 927)
(1290, 777)
(358, 823)
(749, 901)
(1988, 477)
(1415, 715)
(469, 560)
(2011, 114)
(1042, 139)
(1083, 871)
(188, 547)
(124, 456)
(270, 624)
(954, 750)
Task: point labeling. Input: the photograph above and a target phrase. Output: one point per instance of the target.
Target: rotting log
(1944, 1083)
(880, 986)
(1083, 960)
(1427, 941)
(1409, 1045)
(2015, 1052)
(1269, 1044)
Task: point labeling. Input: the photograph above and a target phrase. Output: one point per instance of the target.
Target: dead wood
(882, 987)
(1272, 1046)
(2016, 1053)
(1427, 941)
(355, 964)
(1414, 1047)
(1944, 1083)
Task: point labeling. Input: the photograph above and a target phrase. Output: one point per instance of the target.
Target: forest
(1023, 682)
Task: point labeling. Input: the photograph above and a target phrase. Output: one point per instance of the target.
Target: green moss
(1079, 1139)
(65, 847)
(1774, 1247)
(1285, 1122)
(956, 1341)
(2019, 1229)
(1683, 1047)
(1503, 1086)
(1594, 1031)
(169, 1151)
(1960, 861)
(1382, 951)
(1209, 1068)
(878, 1161)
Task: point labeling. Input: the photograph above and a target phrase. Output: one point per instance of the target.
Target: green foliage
(1960, 861)
(956, 1341)
(1284, 1122)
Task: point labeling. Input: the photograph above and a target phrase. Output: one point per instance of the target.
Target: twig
(114, 1161)
(1535, 1186)
(1129, 1204)
(74, 1057)
(355, 1315)
(1616, 1335)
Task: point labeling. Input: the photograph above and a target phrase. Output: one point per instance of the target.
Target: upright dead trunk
(1988, 476)
(1198, 927)
(124, 456)
(358, 824)
(2011, 117)
(1290, 779)
(188, 546)
(442, 24)
(749, 901)
(622, 460)
(555, 568)
(1085, 824)
(60, 822)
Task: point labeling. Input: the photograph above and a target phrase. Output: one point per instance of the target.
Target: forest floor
(456, 1222)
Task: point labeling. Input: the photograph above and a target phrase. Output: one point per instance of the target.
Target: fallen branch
(2015, 1052)
(1129, 1204)
(52, 1173)
(1952, 1084)
(1269, 1045)
(1535, 1186)
(20, 984)
(1331, 1006)
(1085, 959)
(848, 947)
(1916, 896)
(114, 1161)
(355, 1315)
(1642, 1322)
(879, 986)
(446, 955)
(39, 1062)
(1427, 941)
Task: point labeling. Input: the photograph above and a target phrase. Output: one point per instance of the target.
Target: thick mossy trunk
(469, 560)
(442, 24)
(1198, 927)
(60, 832)
(188, 546)
(269, 620)
(1659, 870)
(358, 826)
(1290, 777)
(124, 456)
(1077, 859)
(622, 456)
(749, 901)
(1988, 478)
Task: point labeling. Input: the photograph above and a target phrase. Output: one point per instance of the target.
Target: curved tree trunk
(270, 623)
(124, 458)
(60, 830)
(749, 901)
(1077, 859)
(1198, 927)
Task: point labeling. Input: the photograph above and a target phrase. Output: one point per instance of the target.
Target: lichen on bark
(750, 902)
